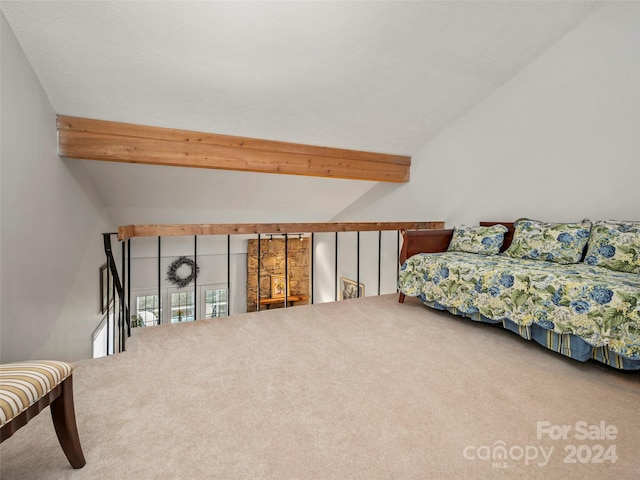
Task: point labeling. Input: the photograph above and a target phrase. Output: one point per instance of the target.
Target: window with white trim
(216, 304)
(147, 310)
(182, 307)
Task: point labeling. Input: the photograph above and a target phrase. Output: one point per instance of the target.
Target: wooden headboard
(433, 241)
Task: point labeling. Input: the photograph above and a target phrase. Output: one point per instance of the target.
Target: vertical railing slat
(113, 296)
(258, 287)
(195, 279)
(313, 256)
(379, 259)
(228, 275)
(129, 286)
(159, 280)
(358, 265)
(286, 270)
(122, 302)
(397, 259)
(336, 270)
(109, 332)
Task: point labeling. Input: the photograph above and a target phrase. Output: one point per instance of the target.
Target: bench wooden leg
(64, 421)
(401, 298)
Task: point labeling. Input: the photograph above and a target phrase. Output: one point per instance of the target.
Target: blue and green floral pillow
(615, 245)
(482, 240)
(553, 242)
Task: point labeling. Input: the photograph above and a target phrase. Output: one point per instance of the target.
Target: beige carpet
(360, 389)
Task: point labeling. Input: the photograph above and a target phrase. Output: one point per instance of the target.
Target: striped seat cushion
(23, 384)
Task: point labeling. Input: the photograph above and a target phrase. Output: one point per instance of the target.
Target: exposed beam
(154, 230)
(89, 139)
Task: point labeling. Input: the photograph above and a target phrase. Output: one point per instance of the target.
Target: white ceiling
(371, 75)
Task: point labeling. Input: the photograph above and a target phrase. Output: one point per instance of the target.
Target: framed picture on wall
(104, 288)
(349, 289)
(278, 286)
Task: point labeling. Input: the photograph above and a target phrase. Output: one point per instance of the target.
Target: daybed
(573, 288)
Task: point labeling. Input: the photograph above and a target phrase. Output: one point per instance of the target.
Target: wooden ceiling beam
(89, 139)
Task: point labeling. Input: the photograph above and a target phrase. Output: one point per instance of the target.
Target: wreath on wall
(182, 281)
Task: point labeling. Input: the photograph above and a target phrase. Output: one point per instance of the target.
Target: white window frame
(135, 294)
(165, 299)
(202, 304)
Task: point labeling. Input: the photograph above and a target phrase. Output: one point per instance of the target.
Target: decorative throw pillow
(553, 242)
(482, 240)
(615, 245)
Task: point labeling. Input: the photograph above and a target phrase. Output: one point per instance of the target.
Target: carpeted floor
(360, 389)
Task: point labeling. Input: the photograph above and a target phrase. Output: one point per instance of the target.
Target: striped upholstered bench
(28, 387)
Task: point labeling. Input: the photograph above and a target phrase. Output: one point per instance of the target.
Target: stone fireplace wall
(272, 262)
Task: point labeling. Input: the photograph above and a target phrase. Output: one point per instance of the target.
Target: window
(182, 307)
(179, 305)
(216, 303)
(148, 309)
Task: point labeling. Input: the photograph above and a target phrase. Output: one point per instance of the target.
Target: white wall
(558, 142)
(324, 270)
(211, 260)
(51, 221)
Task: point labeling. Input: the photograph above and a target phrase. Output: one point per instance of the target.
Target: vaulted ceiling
(383, 76)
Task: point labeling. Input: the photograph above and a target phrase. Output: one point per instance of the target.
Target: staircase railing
(118, 291)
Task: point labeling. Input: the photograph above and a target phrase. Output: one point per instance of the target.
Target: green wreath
(172, 272)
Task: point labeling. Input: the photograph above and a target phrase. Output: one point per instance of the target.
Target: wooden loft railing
(164, 230)
(119, 327)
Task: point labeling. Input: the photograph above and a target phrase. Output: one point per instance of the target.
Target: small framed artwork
(278, 286)
(104, 288)
(349, 289)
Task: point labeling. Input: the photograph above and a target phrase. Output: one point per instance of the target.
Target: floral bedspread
(597, 304)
